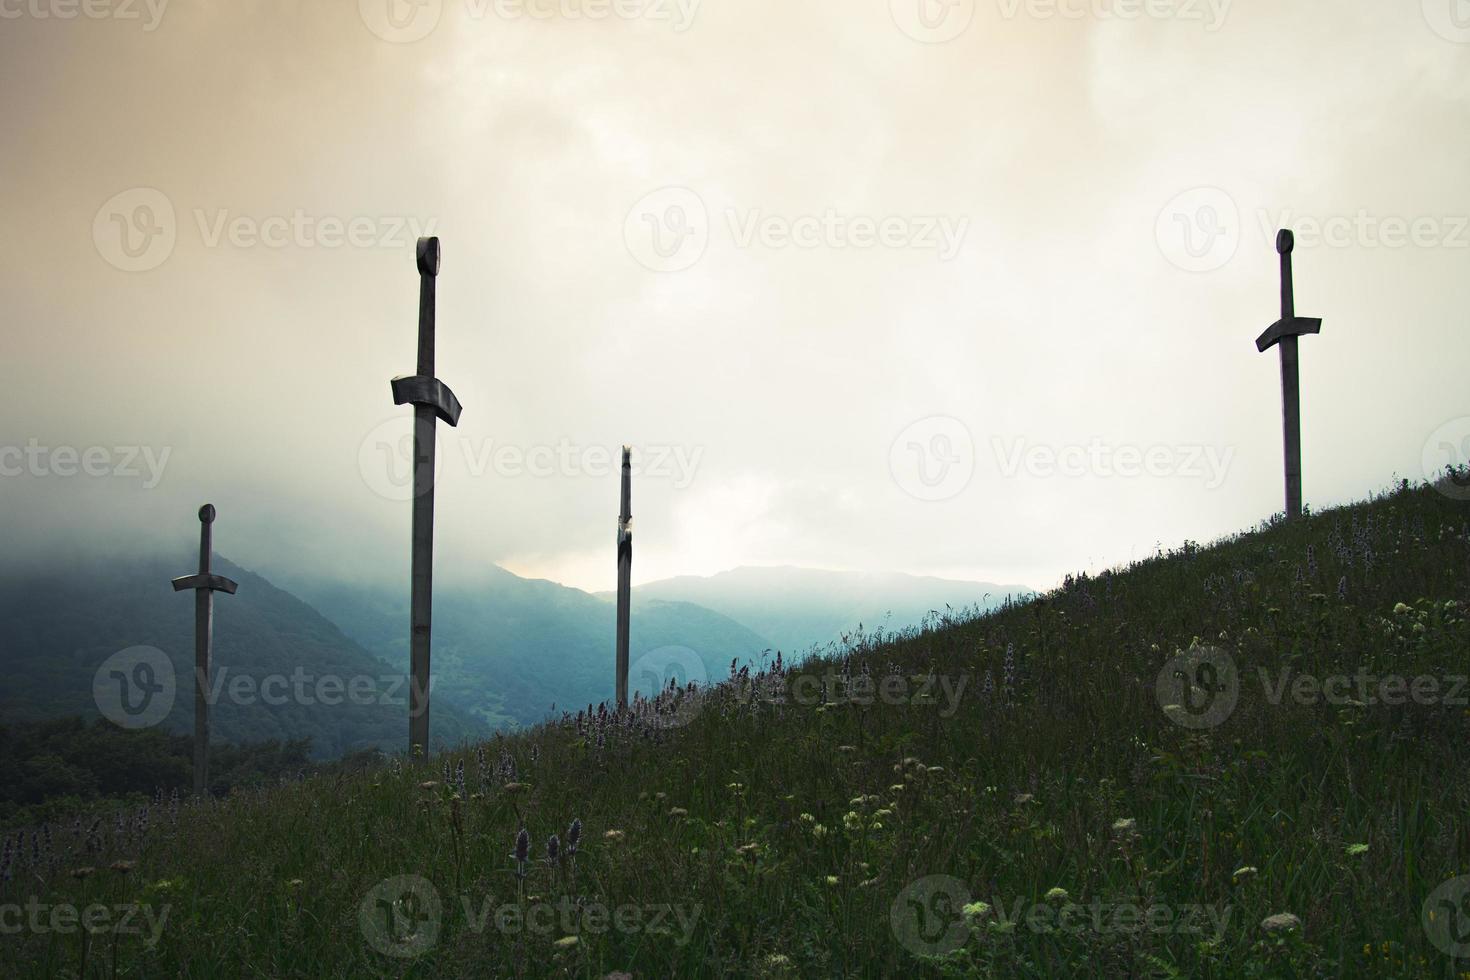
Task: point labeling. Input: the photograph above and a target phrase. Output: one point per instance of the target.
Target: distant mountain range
(58, 626)
(797, 609)
(506, 649)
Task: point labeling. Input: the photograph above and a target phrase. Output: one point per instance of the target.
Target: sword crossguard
(1289, 327)
(214, 583)
(419, 390)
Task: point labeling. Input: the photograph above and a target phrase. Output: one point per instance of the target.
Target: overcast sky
(966, 289)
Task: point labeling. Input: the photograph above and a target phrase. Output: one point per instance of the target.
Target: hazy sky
(848, 273)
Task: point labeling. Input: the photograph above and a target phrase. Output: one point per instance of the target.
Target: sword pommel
(428, 256)
(1285, 241)
(206, 514)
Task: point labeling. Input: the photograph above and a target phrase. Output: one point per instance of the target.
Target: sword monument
(431, 400)
(1284, 332)
(205, 585)
(625, 573)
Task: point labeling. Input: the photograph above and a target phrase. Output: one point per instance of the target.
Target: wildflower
(1353, 850)
(851, 821)
(819, 831)
(1246, 872)
(123, 867)
(553, 849)
(1023, 798)
(847, 748)
(1057, 895)
(678, 811)
(522, 853)
(831, 879)
(566, 942)
(81, 874)
(976, 910)
(428, 784)
(1125, 825)
(778, 961)
(517, 787)
(574, 836)
(807, 818)
(613, 835)
(1281, 922)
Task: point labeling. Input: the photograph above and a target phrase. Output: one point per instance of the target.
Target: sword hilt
(1285, 242)
(205, 579)
(207, 514)
(428, 256)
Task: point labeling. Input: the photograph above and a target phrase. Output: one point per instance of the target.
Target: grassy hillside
(1088, 803)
